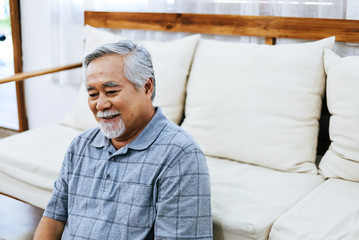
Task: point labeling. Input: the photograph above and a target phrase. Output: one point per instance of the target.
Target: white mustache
(107, 114)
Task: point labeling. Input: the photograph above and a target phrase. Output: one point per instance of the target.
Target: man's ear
(149, 86)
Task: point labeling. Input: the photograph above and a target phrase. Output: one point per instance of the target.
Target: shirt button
(108, 176)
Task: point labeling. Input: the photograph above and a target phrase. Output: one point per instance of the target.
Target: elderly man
(136, 176)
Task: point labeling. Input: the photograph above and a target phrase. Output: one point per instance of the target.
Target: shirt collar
(144, 139)
(100, 140)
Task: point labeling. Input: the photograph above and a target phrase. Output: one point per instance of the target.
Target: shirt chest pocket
(135, 206)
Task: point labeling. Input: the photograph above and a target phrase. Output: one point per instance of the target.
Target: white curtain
(67, 20)
(294, 8)
(67, 38)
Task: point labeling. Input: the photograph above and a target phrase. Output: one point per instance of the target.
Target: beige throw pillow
(257, 104)
(342, 158)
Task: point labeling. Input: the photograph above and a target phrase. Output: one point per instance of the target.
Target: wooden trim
(21, 107)
(260, 26)
(21, 76)
(270, 41)
(16, 42)
(6, 195)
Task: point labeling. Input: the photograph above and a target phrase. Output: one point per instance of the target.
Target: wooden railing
(259, 26)
(24, 75)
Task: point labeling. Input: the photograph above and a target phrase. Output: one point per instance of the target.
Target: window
(8, 106)
(12, 106)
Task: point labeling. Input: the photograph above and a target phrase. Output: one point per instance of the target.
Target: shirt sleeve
(58, 204)
(184, 201)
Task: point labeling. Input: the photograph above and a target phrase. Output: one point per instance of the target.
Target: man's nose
(103, 103)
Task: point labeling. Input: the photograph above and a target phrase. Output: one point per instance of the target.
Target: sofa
(254, 109)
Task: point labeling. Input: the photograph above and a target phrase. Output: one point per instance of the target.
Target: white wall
(353, 9)
(46, 100)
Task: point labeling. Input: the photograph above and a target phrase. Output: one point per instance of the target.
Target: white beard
(111, 129)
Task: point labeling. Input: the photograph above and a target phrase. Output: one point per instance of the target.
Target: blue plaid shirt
(155, 187)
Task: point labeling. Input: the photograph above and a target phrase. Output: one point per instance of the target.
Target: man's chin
(111, 131)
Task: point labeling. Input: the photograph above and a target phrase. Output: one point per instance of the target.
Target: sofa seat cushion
(331, 211)
(247, 199)
(31, 161)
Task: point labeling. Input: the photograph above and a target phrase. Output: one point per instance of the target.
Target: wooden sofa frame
(268, 27)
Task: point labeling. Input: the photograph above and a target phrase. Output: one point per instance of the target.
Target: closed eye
(92, 95)
(112, 92)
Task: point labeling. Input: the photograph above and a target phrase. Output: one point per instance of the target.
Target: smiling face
(121, 109)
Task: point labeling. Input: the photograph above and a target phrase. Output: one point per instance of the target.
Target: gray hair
(137, 61)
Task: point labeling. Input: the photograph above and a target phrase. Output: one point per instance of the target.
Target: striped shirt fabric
(155, 187)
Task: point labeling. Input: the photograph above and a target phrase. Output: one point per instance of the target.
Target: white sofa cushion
(331, 211)
(171, 63)
(247, 199)
(257, 104)
(342, 158)
(31, 161)
(80, 116)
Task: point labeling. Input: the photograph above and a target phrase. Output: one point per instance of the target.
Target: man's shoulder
(175, 135)
(85, 138)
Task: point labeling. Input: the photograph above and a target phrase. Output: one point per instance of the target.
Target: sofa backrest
(270, 28)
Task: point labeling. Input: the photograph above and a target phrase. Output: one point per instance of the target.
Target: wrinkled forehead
(110, 84)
